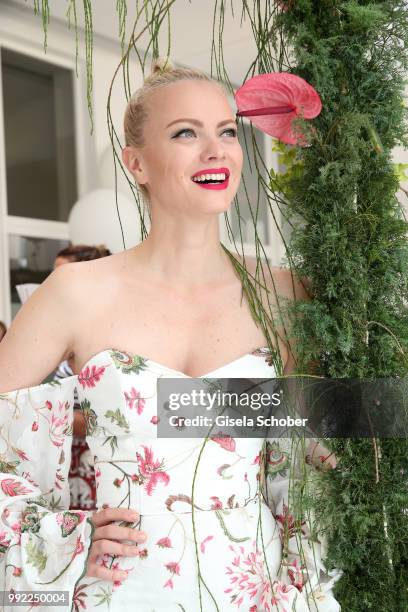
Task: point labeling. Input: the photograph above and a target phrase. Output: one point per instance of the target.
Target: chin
(216, 207)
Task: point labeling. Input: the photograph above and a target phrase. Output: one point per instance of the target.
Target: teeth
(207, 177)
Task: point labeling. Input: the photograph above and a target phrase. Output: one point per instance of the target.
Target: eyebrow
(199, 124)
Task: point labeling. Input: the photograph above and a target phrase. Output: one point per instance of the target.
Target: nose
(213, 149)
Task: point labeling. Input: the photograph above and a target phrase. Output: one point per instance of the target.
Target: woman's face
(190, 131)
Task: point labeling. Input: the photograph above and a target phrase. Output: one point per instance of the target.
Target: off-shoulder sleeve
(43, 545)
(286, 478)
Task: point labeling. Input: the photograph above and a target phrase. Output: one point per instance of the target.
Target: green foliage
(350, 240)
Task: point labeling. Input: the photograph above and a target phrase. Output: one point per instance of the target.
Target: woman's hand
(109, 539)
(319, 456)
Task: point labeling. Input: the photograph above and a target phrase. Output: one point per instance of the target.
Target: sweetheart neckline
(73, 377)
(162, 365)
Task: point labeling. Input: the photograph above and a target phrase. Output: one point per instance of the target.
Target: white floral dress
(221, 532)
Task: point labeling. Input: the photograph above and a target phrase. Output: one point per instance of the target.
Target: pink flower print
(16, 527)
(173, 567)
(34, 426)
(17, 571)
(226, 442)
(21, 454)
(288, 525)
(79, 547)
(154, 420)
(257, 459)
(48, 405)
(58, 427)
(97, 476)
(217, 503)
(164, 543)
(151, 470)
(90, 376)
(280, 590)
(249, 579)
(70, 519)
(133, 400)
(13, 487)
(104, 560)
(204, 542)
(296, 575)
(118, 583)
(4, 541)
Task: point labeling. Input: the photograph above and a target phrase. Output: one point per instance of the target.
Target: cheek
(239, 157)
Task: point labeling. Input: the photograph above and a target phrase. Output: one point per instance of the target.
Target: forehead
(202, 100)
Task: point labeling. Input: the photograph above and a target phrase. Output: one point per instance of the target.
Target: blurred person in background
(81, 474)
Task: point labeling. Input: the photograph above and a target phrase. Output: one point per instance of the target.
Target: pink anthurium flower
(274, 100)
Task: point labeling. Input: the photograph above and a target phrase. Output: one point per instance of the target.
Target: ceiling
(191, 30)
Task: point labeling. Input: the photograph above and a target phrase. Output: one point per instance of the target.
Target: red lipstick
(216, 186)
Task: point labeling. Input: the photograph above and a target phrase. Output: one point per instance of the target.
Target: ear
(132, 159)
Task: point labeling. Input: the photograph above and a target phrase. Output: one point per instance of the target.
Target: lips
(213, 186)
(213, 171)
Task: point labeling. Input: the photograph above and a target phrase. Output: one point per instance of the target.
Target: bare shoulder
(40, 336)
(290, 285)
(281, 281)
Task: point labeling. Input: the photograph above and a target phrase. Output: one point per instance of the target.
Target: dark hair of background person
(3, 330)
(83, 252)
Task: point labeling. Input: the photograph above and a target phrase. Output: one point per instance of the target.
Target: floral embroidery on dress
(221, 529)
(128, 363)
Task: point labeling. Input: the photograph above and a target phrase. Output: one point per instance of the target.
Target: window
(39, 137)
(39, 170)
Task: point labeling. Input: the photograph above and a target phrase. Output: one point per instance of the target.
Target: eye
(234, 132)
(182, 132)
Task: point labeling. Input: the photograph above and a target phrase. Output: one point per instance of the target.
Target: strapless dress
(221, 532)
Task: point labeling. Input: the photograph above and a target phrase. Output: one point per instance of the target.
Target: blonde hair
(162, 74)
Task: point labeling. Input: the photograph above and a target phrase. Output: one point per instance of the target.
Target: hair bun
(162, 64)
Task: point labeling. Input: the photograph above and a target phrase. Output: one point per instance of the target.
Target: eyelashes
(234, 132)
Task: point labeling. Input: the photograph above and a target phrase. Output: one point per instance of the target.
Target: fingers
(103, 547)
(319, 456)
(116, 532)
(105, 541)
(104, 573)
(108, 515)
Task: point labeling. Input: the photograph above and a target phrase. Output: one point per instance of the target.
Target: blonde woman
(182, 524)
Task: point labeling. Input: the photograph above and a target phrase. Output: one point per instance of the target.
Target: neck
(186, 260)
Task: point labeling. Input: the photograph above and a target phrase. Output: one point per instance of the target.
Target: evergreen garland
(350, 240)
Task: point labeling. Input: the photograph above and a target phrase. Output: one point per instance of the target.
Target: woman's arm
(41, 335)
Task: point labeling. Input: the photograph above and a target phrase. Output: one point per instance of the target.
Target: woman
(170, 307)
